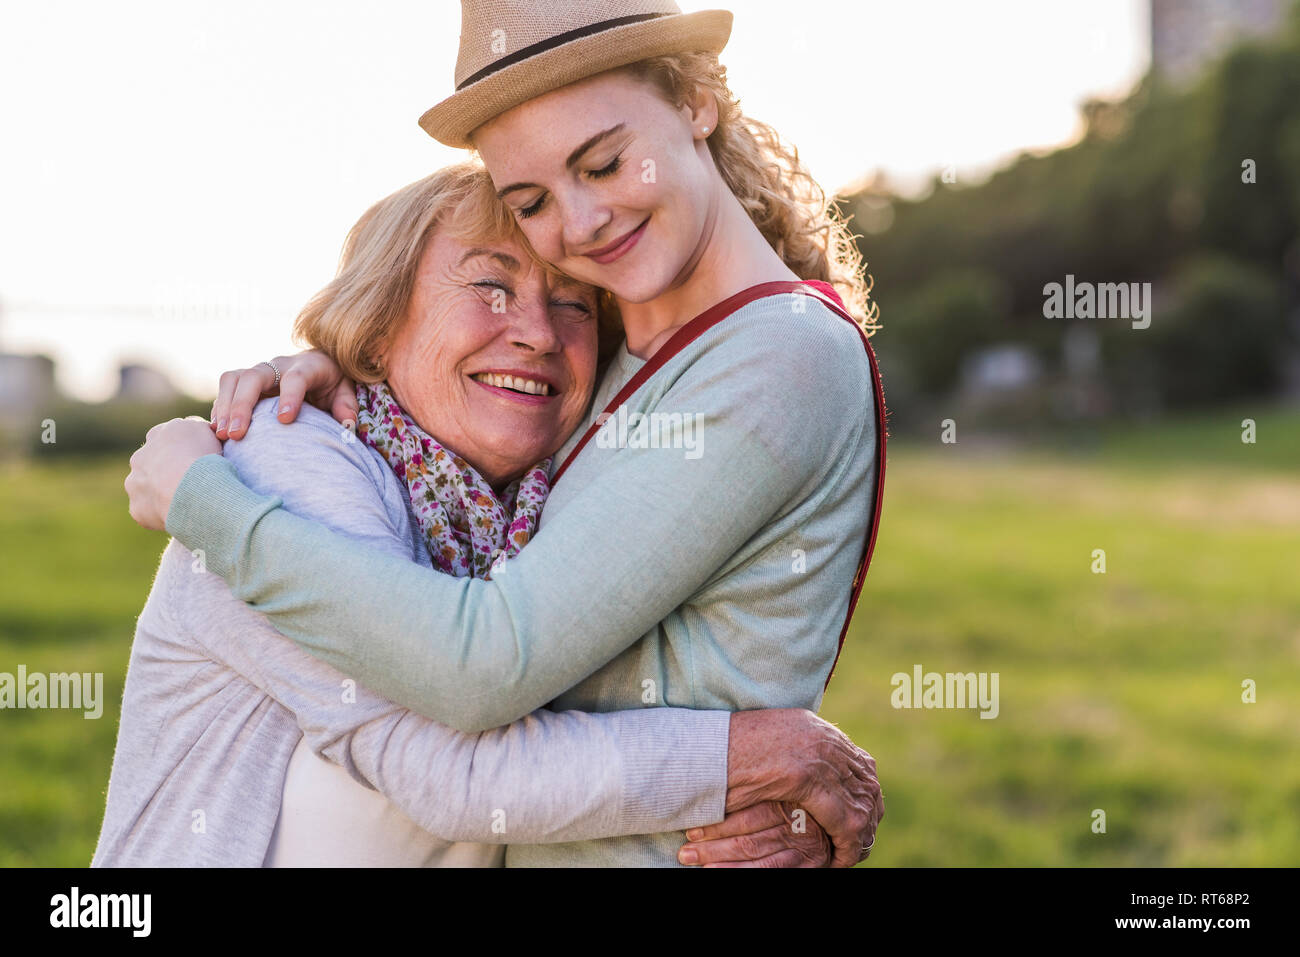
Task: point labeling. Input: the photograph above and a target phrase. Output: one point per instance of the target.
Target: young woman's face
(495, 359)
(609, 182)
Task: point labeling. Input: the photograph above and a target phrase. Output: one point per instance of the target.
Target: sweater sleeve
(547, 777)
(774, 415)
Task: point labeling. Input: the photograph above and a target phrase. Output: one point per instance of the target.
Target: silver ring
(273, 369)
(866, 848)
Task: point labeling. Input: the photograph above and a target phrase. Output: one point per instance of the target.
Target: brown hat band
(555, 41)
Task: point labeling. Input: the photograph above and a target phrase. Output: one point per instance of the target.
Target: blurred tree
(83, 429)
(1152, 192)
(1217, 339)
(945, 320)
(1255, 97)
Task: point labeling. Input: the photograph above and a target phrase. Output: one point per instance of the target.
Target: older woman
(477, 362)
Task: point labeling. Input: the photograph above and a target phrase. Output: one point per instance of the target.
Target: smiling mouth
(619, 247)
(514, 383)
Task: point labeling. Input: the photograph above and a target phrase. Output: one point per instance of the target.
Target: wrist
(212, 511)
(759, 766)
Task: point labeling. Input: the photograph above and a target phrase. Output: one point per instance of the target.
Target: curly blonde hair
(765, 173)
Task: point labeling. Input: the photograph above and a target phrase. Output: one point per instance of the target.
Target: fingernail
(285, 408)
(221, 424)
(688, 855)
(234, 425)
(695, 834)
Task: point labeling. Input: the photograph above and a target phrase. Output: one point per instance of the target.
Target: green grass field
(1120, 692)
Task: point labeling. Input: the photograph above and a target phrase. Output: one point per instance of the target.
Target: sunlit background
(1107, 517)
(178, 177)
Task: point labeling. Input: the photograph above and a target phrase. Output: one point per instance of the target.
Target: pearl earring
(706, 131)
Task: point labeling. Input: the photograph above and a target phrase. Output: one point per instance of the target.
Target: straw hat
(514, 50)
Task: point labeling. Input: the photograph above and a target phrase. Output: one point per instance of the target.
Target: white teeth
(518, 383)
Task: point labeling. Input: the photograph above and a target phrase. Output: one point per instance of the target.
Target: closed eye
(494, 284)
(570, 304)
(609, 170)
(526, 212)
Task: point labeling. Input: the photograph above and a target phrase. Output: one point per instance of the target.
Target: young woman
(722, 579)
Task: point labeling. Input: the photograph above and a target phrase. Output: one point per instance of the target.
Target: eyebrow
(505, 259)
(574, 285)
(573, 159)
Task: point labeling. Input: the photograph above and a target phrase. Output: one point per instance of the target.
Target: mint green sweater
(715, 576)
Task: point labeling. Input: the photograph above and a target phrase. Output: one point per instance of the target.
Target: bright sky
(177, 176)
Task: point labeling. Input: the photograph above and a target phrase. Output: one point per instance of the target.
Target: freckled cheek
(545, 237)
(581, 386)
(582, 345)
(573, 415)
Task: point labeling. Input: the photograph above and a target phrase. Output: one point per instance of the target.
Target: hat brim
(452, 120)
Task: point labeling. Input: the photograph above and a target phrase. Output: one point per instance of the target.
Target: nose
(532, 326)
(584, 216)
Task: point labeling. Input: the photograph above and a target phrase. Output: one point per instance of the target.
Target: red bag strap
(705, 321)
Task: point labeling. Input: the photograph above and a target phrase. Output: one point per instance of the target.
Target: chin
(639, 288)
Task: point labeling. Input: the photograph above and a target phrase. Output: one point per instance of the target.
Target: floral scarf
(466, 528)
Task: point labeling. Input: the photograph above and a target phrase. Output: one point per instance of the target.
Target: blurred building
(26, 383)
(141, 383)
(1187, 34)
(1002, 368)
(27, 386)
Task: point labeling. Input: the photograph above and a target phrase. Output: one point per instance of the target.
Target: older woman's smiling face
(495, 359)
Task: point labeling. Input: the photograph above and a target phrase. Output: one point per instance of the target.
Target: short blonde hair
(357, 314)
